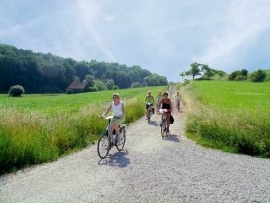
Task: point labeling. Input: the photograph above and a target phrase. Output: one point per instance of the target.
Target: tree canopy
(203, 70)
(45, 73)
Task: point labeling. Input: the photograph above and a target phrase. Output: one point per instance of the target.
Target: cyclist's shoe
(108, 147)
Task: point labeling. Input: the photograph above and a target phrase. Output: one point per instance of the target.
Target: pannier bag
(153, 110)
(171, 119)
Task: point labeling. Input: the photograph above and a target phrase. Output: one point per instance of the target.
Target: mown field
(232, 116)
(41, 128)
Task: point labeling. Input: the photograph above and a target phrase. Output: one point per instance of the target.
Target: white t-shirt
(117, 110)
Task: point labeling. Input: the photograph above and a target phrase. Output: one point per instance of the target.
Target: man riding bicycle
(149, 101)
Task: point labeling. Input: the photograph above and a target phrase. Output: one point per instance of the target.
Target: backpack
(171, 119)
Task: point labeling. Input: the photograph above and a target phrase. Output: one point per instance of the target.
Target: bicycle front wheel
(163, 129)
(121, 140)
(103, 146)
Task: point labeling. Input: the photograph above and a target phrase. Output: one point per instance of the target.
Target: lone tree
(201, 69)
(193, 71)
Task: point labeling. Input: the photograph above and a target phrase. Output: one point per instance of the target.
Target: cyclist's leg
(115, 126)
(147, 109)
(168, 121)
(151, 107)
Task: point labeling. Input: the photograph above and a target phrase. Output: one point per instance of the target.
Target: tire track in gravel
(148, 170)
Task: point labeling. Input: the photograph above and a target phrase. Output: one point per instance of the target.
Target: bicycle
(105, 142)
(163, 124)
(150, 111)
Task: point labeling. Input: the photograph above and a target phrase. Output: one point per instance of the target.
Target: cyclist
(165, 103)
(178, 98)
(118, 111)
(149, 101)
(158, 98)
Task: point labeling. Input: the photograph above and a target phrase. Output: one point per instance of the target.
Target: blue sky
(162, 36)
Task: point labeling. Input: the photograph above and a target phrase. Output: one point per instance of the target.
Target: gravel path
(148, 170)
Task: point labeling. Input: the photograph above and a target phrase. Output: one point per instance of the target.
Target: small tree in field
(16, 91)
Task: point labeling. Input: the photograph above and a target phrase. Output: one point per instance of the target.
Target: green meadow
(40, 128)
(232, 116)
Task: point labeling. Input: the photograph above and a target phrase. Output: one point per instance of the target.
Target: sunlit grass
(36, 129)
(235, 123)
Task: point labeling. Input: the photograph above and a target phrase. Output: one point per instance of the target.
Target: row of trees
(41, 73)
(257, 76)
(197, 69)
(203, 70)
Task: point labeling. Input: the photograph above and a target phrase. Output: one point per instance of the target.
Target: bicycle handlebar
(107, 118)
(164, 110)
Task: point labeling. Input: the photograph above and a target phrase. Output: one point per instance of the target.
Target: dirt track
(148, 170)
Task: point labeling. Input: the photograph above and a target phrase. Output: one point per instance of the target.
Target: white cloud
(88, 16)
(247, 20)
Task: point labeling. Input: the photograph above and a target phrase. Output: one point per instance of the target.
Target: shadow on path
(153, 123)
(117, 159)
(172, 137)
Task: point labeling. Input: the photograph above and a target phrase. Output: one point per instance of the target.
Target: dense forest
(48, 73)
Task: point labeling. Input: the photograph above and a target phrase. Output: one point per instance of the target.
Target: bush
(92, 89)
(16, 91)
(258, 76)
(135, 85)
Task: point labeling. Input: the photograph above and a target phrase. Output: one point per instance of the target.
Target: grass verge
(229, 129)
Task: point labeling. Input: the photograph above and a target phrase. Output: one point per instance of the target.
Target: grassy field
(234, 95)
(233, 116)
(70, 103)
(40, 128)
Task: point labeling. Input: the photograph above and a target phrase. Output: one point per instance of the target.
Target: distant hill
(48, 73)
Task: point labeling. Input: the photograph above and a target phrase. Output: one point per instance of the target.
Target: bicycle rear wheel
(103, 146)
(121, 140)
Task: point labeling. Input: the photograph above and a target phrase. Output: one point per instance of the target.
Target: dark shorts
(147, 106)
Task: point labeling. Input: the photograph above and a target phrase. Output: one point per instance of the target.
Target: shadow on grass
(116, 159)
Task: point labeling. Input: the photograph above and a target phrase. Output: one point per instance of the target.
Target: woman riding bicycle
(178, 98)
(118, 112)
(165, 103)
(149, 101)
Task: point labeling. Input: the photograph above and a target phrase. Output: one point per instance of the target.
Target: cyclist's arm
(123, 110)
(107, 111)
(170, 105)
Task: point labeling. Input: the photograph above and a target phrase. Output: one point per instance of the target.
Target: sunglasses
(114, 97)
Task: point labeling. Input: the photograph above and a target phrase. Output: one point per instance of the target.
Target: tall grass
(231, 129)
(28, 137)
